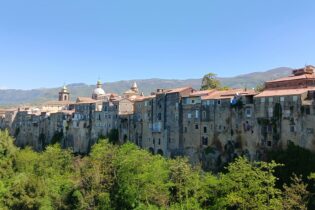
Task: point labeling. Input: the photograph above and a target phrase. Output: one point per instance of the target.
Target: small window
(189, 115)
(197, 114)
(205, 141)
(294, 98)
(269, 143)
(205, 129)
(185, 129)
(307, 110)
(192, 101)
(270, 112)
(248, 112)
(269, 128)
(196, 126)
(219, 102)
(159, 141)
(270, 99)
(204, 115)
(262, 100)
(292, 128)
(281, 99)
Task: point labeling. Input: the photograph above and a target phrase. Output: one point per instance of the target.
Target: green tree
(210, 81)
(190, 186)
(248, 186)
(296, 160)
(296, 195)
(260, 87)
(97, 175)
(141, 179)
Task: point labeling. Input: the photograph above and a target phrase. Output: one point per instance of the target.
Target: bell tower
(64, 94)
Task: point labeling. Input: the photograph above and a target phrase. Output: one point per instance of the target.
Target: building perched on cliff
(211, 127)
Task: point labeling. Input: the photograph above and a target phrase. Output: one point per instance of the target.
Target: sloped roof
(225, 94)
(85, 100)
(177, 90)
(57, 103)
(293, 77)
(283, 92)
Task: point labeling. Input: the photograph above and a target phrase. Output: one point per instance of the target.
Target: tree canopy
(127, 177)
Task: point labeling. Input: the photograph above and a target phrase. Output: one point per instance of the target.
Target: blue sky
(48, 43)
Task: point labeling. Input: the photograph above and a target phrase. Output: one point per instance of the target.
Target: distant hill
(14, 97)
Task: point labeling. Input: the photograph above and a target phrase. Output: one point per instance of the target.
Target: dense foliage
(126, 177)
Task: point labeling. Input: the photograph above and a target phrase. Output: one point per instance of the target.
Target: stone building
(285, 111)
(210, 127)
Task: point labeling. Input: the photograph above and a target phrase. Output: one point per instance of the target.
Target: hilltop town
(210, 127)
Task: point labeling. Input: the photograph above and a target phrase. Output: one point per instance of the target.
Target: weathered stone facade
(210, 127)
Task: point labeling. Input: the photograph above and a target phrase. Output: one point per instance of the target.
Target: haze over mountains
(15, 97)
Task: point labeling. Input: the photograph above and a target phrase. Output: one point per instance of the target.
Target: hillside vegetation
(126, 177)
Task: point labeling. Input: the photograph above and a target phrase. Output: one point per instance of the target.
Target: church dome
(99, 91)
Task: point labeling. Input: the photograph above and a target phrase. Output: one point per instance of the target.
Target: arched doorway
(160, 152)
(151, 150)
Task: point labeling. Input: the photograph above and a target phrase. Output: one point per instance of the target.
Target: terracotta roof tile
(177, 90)
(283, 92)
(201, 92)
(225, 94)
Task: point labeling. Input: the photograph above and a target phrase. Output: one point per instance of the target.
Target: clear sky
(46, 43)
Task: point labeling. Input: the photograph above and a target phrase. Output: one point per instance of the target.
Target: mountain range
(13, 97)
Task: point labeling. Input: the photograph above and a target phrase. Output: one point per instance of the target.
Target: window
(269, 143)
(197, 114)
(185, 129)
(204, 140)
(270, 112)
(294, 98)
(307, 110)
(281, 99)
(204, 115)
(248, 112)
(269, 129)
(189, 115)
(205, 129)
(270, 99)
(159, 116)
(262, 100)
(192, 101)
(292, 128)
(219, 102)
(159, 141)
(196, 126)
